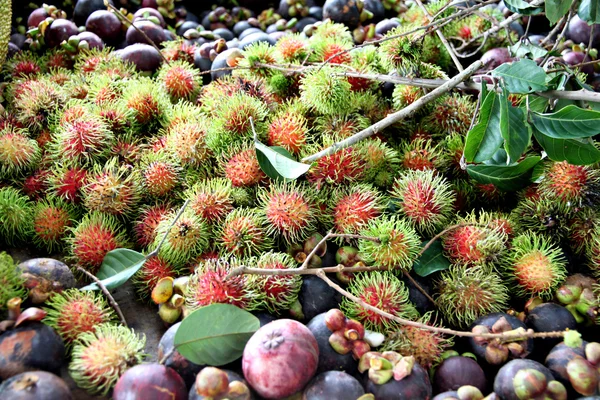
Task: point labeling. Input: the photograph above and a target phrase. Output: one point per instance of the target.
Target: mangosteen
(186, 369)
(316, 13)
(145, 57)
(264, 317)
(333, 385)
(150, 381)
(93, 41)
(304, 22)
(416, 297)
(84, 8)
(414, 384)
(495, 57)
(329, 359)
(517, 376)
(579, 32)
(386, 25)
(548, 317)
(256, 38)
(105, 24)
(231, 377)
(463, 393)
(44, 276)
(37, 16)
(60, 30)
(346, 12)
(316, 297)
(578, 57)
(146, 12)
(457, 371)
(376, 8)
(181, 29)
(18, 40)
(35, 385)
(154, 32)
(224, 33)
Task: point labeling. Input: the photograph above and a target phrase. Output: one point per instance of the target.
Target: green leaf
(505, 177)
(216, 334)
(117, 267)
(522, 7)
(432, 260)
(276, 162)
(536, 103)
(485, 138)
(589, 11)
(513, 128)
(523, 76)
(570, 122)
(575, 151)
(556, 9)
(524, 47)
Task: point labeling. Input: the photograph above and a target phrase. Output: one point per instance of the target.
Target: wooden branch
(399, 115)
(154, 252)
(111, 299)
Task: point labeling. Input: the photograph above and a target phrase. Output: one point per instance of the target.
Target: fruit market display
(345, 199)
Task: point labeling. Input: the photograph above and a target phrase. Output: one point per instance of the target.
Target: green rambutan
(426, 346)
(405, 95)
(19, 154)
(331, 48)
(147, 104)
(541, 216)
(292, 47)
(450, 114)
(256, 53)
(112, 188)
(397, 245)
(11, 282)
(73, 312)
(214, 95)
(365, 60)
(341, 125)
(93, 237)
(535, 265)
(382, 162)
(99, 358)
(57, 58)
(425, 199)
(37, 100)
(384, 291)
(51, 219)
(330, 30)
(454, 145)
(465, 294)
(240, 166)
(280, 291)
(149, 218)
(66, 182)
(160, 174)
(352, 208)
(324, 91)
(153, 270)
(211, 199)
(89, 61)
(581, 229)
(180, 80)
(184, 111)
(422, 154)
(288, 129)
(16, 216)
(570, 185)
(243, 234)
(185, 239)
(185, 141)
(104, 89)
(477, 240)
(288, 210)
(593, 254)
(209, 284)
(400, 51)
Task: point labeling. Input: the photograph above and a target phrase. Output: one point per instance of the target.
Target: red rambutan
(145, 225)
(241, 167)
(211, 199)
(67, 182)
(180, 80)
(354, 207)
(569, 184)
(243, 234)
(51, 219)
(289, 130)
(153, 270)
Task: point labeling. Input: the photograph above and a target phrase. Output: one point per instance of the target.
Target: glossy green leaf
(513, 128)
(536, 103)
(524, 48)
(570, 122)
(505, 177)
(216, 334)
(523, 76)
(522, 7)
(276, 162)
(575, 151)
(556, 9)
(432, 260)
(589, 11)
(117, 267)
(485, 138)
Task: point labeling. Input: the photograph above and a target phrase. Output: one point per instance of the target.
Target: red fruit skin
(280, 358)
(150, 381)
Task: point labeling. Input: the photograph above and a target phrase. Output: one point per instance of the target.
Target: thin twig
(562, 33)
(399, 115)
(419, 287)
(553, 32)
(154, 252)
(314, 251)
(111, 299)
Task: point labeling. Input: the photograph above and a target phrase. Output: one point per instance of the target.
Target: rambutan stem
(399, 115)
(111, 300)
(154, 252)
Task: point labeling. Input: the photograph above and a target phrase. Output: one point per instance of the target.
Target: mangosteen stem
(111, 299)
(14, 308)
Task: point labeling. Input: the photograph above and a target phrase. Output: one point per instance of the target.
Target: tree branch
(111, 299)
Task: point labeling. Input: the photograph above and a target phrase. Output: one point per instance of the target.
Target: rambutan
(343, 166)
(405, 95)
(149, 218)
(146, 102)
(288, 211)
(67, 182)
(36, 185)
(291, 48)
(382, 162)
(153, 270)
(425, 345)
(180, 80)
(73, 312)
(103, 89)
(186, 142)
(12, 283)
(160, 174)
(384, 291)
(341, 126)
(324, 91)
(593, 255)
(570, 185)
(241, 168)
(289, 130)
(400, 51)
(18, 153)
(475, 241)
(396, 244)
(57, 58)
(450, 114)
(180, 49)
(51, 219)
(330, 30)
(352, 208)
(243, 234)
(213, 95)
(24, 64)
(185, 239)
(365, 60)
(333, 50)
(112, 189)
(209, 284)
(16, 216)
(541, 216)
(93, 237)
(36, 101)
(422, 154)
(127, 149)
(581, 229)
(465, 294)
(425, 199)
(99, 358)
(535, 265)
(212, 199)
(256, 53)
